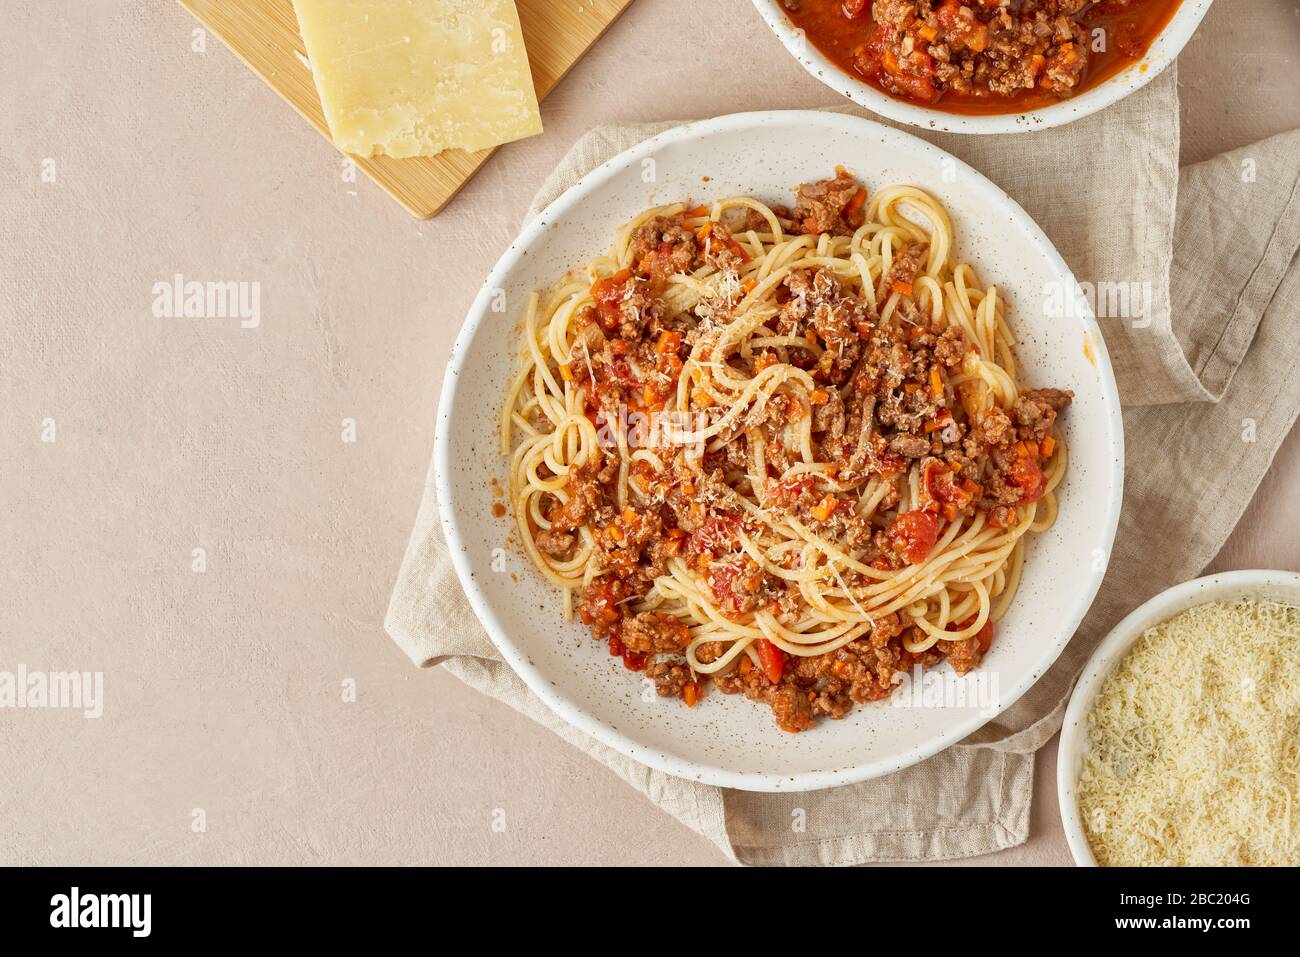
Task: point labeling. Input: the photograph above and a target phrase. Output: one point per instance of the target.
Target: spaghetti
(782, 450)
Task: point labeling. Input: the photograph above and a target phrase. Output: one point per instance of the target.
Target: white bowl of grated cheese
(1205, 661)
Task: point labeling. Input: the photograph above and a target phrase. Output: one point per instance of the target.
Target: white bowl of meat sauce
(984, 66)
(717, 736)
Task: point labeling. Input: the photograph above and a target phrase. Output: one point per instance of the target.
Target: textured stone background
(223, 689)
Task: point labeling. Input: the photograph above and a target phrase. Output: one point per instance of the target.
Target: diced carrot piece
(691, 693)
(823, 509)
(669, 342)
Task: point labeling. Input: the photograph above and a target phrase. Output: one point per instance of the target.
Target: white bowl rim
(1163, 51)
(517, 658)
(1159, 608)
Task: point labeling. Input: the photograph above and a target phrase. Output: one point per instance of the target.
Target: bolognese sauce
(858, 506)
(982, 56)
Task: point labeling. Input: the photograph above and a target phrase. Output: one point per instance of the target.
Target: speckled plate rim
(1225, 586)
(1163, 52)
(517, 658)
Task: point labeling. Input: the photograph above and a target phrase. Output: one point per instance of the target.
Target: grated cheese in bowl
(1193, 747)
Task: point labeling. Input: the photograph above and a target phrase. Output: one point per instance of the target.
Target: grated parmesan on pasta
(1194, 743)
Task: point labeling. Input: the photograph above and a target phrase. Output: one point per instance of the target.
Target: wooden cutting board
(264, 34)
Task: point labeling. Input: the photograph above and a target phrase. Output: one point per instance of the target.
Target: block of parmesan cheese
(415, 77)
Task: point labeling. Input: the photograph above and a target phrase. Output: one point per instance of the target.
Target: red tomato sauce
(852, 42)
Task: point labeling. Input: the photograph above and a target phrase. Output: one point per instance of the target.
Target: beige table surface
(223, 688)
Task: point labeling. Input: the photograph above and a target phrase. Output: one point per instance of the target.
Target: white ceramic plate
(728, 740)
(1163, 52)
(1228, 586)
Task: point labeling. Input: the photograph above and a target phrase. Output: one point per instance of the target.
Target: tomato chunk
(772, 658)
(609, 293)
(1026, 474)
(913, 534)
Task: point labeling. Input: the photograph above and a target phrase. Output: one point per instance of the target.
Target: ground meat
(558, 545)
(741, 587)
(744, 679)
(998, 492)
(906, 410)
(861, 671)
(836, 322)
(826, 685)
(792, 708)
(586, 497)
(885, 628)
(817, 300)
(621, 539)
(600, 604)
(656, 555)
(805, 290)
(670, 677)
(828, 417)
(639, 309)
(910, 446)
(950, 348)
(710, 651)
(720, 249)
(1056, 399)
(654, 633)
(1035, 412)
(994, 429)
(906, 265)
(962, 655)
(822, 207)
(921, 49)
(663, 247)
(753, 220)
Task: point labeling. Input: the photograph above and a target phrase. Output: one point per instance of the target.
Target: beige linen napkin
(1210, 384)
